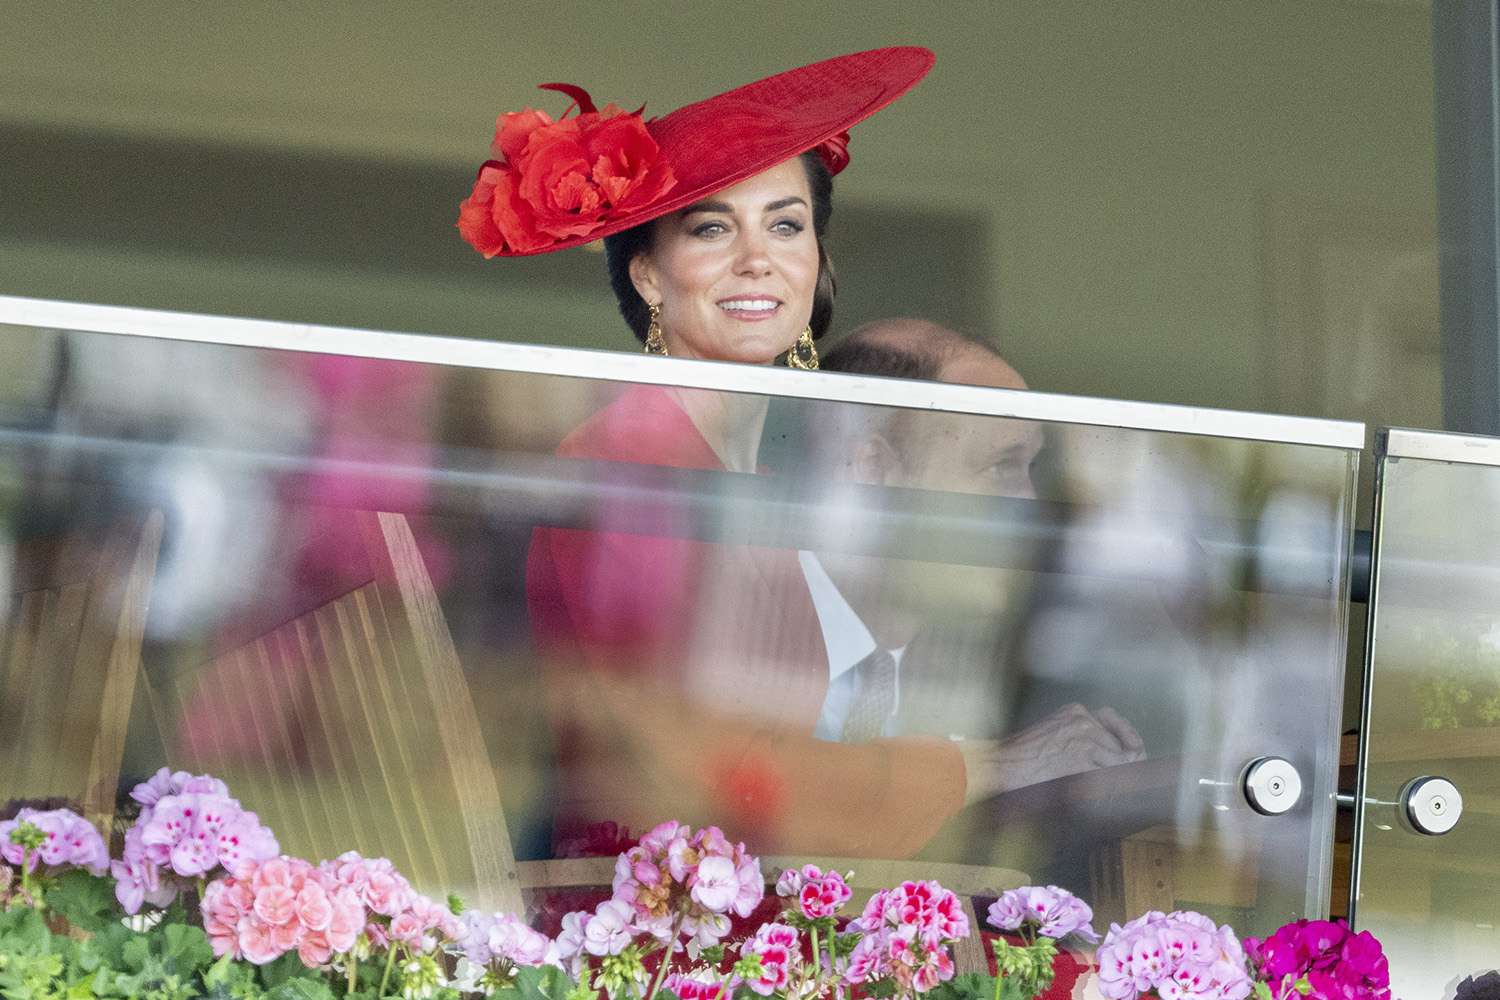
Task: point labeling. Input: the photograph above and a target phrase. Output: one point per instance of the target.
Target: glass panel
(467, 618)
(1434, 706)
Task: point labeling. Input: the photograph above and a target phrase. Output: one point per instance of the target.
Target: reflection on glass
(479, 622)
(1434, 710)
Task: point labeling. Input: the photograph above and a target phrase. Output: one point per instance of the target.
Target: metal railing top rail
(639, 368)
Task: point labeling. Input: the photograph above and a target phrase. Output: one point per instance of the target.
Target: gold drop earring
(656, 343)
(804, 353)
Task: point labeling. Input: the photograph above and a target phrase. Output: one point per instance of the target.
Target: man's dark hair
(621, 248)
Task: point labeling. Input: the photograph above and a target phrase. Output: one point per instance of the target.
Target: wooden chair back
(70, 652)
(351, 726)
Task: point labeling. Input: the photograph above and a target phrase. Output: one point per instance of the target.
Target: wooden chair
(351, 726)
(70, 652)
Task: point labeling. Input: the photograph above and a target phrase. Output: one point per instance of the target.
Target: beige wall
(1158, 186)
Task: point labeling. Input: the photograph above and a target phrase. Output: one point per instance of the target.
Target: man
(727, 733)
(873, 609)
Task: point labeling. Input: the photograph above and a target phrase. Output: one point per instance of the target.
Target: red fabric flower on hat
(559, 180)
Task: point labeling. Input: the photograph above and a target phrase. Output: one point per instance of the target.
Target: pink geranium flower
(278, 906)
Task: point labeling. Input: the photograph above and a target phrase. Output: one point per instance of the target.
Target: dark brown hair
(621, 248)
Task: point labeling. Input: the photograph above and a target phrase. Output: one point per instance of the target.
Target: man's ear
(643, 277)
(876, 461)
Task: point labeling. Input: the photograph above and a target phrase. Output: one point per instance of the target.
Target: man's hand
(1068, 741)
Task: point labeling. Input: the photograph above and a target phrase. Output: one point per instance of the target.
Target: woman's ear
(643, 277)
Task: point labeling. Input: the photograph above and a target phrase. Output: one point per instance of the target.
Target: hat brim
(717, 143)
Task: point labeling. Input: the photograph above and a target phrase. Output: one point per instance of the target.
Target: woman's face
(735, 273)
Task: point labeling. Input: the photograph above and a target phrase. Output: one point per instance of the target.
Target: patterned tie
(874, 697)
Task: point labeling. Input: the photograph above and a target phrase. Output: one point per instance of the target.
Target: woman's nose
(752, 253)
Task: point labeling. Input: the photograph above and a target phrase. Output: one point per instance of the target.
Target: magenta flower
(691, 987)
(1181, 956)
(1045, 910)
(777, 947)
(908, 932)
(1338, 964)
(68, 841)
(819, 894)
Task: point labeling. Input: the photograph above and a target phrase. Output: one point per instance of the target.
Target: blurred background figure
(946, 626)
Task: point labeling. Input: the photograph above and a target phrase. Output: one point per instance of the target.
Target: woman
(685, 678)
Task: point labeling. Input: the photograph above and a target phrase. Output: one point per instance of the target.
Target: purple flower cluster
(67, 840)
(907, 932)
(189, 828)
(1338, 964)
(501, 938)
(1182, 956)
(1045, 910)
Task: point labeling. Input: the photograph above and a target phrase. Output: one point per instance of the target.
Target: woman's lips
(750, 309)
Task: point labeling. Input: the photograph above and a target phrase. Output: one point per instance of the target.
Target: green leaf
(545, 982)
(23, 932)
(285, 968)
(302, 988)
(87, 901)
(185, 949)
(136, 953)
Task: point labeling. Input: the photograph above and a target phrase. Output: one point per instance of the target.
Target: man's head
(924, 450)
(952, 452)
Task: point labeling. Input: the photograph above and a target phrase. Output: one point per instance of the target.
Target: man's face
(964, 453)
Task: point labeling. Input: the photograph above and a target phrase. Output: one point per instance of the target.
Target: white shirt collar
(847, 638)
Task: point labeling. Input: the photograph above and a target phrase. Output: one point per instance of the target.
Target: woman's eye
(788, 227)
(709, 229)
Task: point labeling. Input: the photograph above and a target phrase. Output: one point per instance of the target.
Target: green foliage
(167, 963)
(843, 944)
(1027, 969)
(541, 983)
(303, 988)
(86, 901)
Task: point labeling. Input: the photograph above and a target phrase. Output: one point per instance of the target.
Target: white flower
(608, 930)
(718, 884)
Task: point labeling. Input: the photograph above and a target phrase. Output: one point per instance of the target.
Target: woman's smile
(750, 310)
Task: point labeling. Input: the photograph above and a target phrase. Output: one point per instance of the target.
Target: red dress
(684, 678)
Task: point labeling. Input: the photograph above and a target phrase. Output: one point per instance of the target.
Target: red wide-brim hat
(559, 184)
